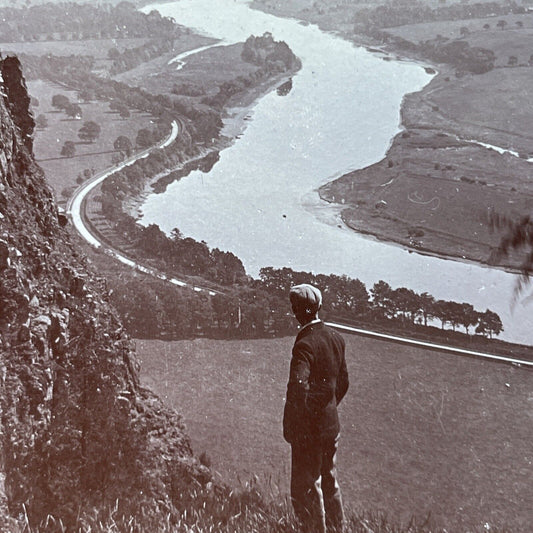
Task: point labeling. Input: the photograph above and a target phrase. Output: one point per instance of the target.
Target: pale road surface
(75, 211)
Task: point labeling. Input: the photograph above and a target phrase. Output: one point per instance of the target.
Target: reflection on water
(285, 88)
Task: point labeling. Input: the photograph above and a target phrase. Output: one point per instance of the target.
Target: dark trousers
(315, 492)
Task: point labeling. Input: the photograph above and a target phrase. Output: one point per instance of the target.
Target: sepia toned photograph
(265, 266)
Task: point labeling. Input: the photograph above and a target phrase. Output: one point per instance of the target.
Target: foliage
(392, 14)
(264, 50)
(243, 509)
(60, 101)
(81, 21)
(90, 131)
(133, 57)
(69, 149)
(518, 237)
(73, 111)
(41, 121)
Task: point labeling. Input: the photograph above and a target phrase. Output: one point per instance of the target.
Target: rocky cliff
(77, 430)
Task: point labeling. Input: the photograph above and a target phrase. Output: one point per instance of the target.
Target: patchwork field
(423, 432)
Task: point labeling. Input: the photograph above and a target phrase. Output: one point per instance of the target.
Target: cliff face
(77, 430)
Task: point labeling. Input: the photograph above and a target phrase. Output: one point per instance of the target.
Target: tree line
(72, 21)
(245, 307)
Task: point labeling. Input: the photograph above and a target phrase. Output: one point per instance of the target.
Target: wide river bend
(260, 201)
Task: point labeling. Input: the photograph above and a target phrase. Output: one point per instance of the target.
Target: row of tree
(133, 57)
(348, 298)
(258, 308)
(391, 14)
(82, 21)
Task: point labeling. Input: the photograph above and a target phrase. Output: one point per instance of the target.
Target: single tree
(113, 53)
(382, 299)
(90, 131)
(73, 111)
(489, 323)
(123, 145)
(115, 106)
(86, 95)
(69, 149)
(34, 101)
(513, 61)
(464, 31)
(486, 26)
(519, 24)
(60, 101)
(501, 24)
(427, 305)
(124, 113)
(468, 316)
(144, 138)
(41, 122)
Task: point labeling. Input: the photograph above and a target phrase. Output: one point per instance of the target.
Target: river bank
(432, 193)
(235, 117)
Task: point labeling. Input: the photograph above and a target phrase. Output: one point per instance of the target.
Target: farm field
(97, 48)
(495, 107)
(61, 172)
(423, 432)
(490, 38)
(433, 192)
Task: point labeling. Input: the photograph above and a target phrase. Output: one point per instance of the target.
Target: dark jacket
(318, 381)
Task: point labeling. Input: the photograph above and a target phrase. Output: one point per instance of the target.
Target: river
(260, 201)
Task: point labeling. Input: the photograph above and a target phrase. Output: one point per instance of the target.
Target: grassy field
(97, 48)
(207, 68)
(492, 38)
(496, 106)
(423, 432)
(62, 172)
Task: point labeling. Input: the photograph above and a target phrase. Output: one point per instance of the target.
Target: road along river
(260, 200)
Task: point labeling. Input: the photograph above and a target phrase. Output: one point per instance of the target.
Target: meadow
(207, 69)
(61, 172)
(478, 36)
(424, 433)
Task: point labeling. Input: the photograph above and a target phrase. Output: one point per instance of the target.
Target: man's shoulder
(318, 330)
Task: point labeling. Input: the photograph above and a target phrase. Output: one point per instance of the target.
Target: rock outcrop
(77, 430)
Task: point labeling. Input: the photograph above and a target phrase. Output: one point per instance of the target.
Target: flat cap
(306, 296)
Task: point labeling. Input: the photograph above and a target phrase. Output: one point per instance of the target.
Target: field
(492, 38)
(61, 172)
(207, 69)
(423, 432)
(97, 48)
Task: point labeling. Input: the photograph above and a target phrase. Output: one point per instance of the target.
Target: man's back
(318, 381)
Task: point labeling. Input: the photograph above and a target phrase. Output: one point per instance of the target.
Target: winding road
(76, 211)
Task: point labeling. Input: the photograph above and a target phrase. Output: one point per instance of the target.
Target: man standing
(318, 381)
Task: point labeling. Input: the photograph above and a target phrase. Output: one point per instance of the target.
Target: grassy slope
(423, 432)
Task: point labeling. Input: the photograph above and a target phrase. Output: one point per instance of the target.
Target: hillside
(423, 432)
(78, 431)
